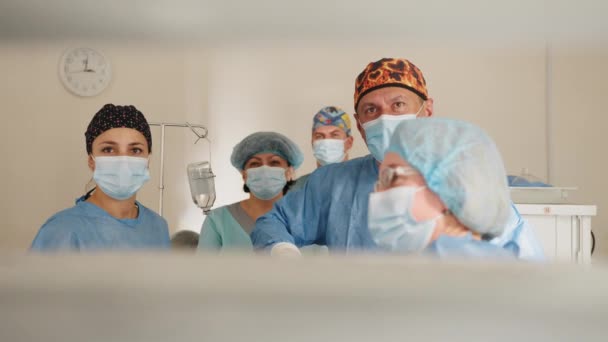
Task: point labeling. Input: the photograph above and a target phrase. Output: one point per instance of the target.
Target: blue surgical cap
(461, 164)
(266, 142)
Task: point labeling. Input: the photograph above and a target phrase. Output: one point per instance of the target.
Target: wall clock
(84, 71)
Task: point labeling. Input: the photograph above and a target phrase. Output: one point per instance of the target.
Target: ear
(91, 163)
(348, 143)
(359, 128)
(428, 107)
(244, 175)
(290, 173)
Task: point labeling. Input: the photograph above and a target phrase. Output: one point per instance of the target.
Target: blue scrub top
(88, 227)
(331, 209)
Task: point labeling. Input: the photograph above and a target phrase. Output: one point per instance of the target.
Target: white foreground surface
(149, 297)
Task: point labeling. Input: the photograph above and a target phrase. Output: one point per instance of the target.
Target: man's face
(328, 132)
(391, 101)
(426, 204)
(333, 132)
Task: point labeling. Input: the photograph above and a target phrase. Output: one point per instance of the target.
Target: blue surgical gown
(465, 247)
(331, 209)
(86, 226)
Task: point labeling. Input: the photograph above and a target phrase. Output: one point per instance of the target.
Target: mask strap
(88, 194)
(421, 106)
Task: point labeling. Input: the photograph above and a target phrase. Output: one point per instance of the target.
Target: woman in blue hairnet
(119, 143)
(266, 161)
(442, 189)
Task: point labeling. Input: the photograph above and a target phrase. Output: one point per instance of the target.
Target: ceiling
(166, 20)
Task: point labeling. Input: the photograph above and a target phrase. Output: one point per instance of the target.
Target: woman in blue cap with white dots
(119, 143)
(266, 161)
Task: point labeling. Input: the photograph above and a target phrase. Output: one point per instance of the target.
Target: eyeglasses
(389, 175)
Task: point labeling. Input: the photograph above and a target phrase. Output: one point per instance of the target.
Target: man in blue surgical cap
(332, 208)
(331, 139)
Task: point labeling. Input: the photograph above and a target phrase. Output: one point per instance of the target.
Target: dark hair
(185, 239)
(111, 116)
(285, 188)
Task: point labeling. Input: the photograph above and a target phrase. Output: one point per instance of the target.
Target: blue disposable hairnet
(266, 142)
(461, 164)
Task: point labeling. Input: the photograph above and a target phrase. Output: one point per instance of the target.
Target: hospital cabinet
(564, 230)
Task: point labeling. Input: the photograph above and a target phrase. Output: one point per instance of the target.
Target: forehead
(121, 135)
(266, 157)
(386, 94)
(392, 159)
(327, 130)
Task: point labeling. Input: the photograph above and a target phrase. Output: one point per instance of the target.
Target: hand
(285, 250)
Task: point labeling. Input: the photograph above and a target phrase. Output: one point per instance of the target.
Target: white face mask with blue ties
(328, 151)
(266, 182)
(378, 132)
(392, 224)
(120, 177)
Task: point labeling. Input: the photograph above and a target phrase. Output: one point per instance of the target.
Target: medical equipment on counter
(530, 189)
(161, 185)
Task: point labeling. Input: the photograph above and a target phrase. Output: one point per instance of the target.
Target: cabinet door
(545, 229)
(566, 239)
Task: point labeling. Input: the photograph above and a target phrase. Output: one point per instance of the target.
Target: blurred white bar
(237, 298)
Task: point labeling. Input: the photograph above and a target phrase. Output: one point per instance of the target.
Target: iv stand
(162, 125)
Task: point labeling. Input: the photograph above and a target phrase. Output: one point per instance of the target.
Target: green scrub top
(227, 227)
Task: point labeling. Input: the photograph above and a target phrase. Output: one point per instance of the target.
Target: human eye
(137, 150)
(107, 149)
(400, 105)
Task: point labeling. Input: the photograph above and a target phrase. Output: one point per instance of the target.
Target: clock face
(84, 71)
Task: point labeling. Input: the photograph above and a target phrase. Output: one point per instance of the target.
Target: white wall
(578, 128)
(240, 88)
(279, 86)
(44, 167)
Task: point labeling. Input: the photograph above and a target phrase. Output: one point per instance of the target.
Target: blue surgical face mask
(266, 182)
(328, 151)
(120, 177)
(392, 224)
(378, 132)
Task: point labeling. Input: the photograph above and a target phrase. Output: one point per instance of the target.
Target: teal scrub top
(222, 230)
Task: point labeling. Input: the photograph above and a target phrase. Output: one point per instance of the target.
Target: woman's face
(267, 159)
(119, 142)
(395, 172)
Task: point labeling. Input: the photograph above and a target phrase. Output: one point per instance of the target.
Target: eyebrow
(114, 143)
(399, 97)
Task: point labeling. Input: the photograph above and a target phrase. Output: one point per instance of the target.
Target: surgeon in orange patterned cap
(332, 207)
(388, 92)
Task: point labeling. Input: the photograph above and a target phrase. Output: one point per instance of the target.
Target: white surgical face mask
(328, 151)
(392, 225)
(120, 177)
(378, 132)
(266, 182)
